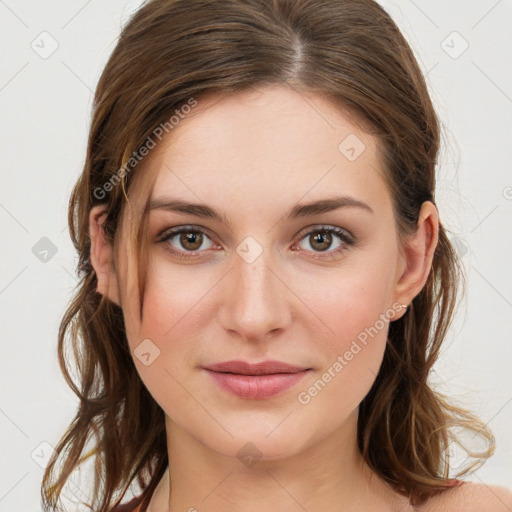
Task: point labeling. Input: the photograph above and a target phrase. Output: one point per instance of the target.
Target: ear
(101, 255)
(418, 253)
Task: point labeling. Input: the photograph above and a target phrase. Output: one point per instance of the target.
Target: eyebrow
(298, 211)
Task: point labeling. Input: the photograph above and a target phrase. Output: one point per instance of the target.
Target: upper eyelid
(177, 229)
(320, 227)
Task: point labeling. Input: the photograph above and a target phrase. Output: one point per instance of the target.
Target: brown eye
(320, 241)
(186, 241)
(191, 240)
(329, 240)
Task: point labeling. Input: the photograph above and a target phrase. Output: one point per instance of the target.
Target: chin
(266, 436)
(257, 446)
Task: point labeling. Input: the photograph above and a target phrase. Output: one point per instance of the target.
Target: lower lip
(256, 387)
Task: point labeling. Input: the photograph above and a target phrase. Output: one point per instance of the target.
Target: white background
(45, 111)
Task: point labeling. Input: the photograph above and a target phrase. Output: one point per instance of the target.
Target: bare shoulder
(471, 497)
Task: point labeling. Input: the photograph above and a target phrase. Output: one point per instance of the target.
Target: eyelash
(346, 239)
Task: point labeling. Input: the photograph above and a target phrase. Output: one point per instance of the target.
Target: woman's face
(268, 281)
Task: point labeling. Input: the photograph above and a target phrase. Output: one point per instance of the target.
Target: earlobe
(418, 253)
(101, 255)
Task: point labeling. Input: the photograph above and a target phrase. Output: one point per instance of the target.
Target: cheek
(173, 320)
(176, 297)
(351, 358)
(358, 337)
(173, 300)
(354, 308)
(347, 301)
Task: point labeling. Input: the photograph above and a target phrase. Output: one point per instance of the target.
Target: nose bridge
(257, 303)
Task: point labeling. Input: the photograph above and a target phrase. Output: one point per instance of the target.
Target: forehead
(267, 146)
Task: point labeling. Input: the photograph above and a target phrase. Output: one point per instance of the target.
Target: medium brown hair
(171, 53)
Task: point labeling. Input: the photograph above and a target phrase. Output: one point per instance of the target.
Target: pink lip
(256, 381)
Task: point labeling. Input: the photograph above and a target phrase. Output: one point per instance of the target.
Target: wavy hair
(171, 53)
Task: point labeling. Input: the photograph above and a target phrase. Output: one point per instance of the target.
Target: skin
(253, 156)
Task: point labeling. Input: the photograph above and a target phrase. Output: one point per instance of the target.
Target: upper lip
(262, 368)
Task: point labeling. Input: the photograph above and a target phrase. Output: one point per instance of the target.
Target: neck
(329, 475)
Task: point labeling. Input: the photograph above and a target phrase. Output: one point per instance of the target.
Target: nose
(256, 302)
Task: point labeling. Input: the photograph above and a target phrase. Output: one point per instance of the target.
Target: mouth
(256, 381)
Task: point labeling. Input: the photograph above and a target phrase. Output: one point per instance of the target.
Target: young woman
(265, 280)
